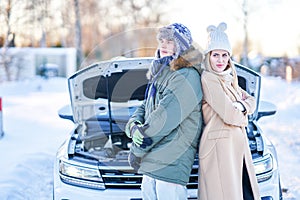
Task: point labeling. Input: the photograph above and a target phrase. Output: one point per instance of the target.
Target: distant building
(27, 62)
(286, 68)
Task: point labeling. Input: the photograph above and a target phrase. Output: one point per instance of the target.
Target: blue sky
(273, 26)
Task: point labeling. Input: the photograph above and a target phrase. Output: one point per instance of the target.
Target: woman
(226, 169)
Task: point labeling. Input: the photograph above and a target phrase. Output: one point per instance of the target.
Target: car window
(242, 83)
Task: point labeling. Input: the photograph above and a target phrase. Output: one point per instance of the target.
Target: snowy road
(33, 132)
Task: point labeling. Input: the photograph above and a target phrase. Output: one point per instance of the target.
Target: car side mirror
(66, 113)
(266, 109)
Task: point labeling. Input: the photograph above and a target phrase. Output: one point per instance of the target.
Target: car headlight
(263, 168)
(80, 176)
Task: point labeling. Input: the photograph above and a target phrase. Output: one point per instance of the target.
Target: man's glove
(129, 126)
(139, 137)
(134, 161)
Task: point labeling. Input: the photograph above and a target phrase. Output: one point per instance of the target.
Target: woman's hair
(230, 65)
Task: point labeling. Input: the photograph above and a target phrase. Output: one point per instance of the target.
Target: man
(165, 129)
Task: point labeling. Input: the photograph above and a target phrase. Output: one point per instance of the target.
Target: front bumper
(64, 191)
(68, 192)
(269, 190)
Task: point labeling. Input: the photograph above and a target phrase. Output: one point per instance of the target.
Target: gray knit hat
(217, 39)
(180, 34)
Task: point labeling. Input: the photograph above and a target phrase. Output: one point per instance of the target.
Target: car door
(250, 81)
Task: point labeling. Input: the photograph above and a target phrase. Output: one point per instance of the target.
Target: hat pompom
(211, 28)
(217, 38)
(222, 26)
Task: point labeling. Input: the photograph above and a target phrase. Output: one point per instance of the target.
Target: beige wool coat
(224, 144)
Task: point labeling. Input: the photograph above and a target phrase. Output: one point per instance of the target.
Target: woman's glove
(134, 161)
(239, 106)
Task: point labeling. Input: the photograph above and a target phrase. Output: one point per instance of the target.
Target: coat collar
(189, 58)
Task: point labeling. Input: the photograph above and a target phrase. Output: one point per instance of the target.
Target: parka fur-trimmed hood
(192, 57)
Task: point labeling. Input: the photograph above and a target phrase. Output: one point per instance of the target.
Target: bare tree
(34, 23)
(244, 59)
(21, 16)
(132, 13)
(5, 58)
(83, 24)
(79, 54)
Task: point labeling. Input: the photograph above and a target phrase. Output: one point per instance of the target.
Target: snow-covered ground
(284, 131)
(33, 133)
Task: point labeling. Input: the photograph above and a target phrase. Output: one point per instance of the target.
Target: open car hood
(101, 88)
(119, 85)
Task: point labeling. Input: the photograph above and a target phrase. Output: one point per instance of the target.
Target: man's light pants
(153, 189)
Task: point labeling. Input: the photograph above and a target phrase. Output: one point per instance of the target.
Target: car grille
(126, 178)
(121, 179)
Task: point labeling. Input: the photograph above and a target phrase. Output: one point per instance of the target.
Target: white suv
(92, 162)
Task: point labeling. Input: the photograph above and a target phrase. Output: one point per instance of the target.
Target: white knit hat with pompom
(218, 39)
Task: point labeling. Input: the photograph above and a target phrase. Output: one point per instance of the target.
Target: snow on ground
(33, 133)
(283, 130)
